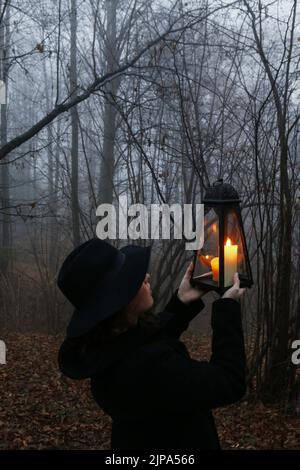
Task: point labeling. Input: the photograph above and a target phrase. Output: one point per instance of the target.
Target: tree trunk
(74, 124)
(50, 177)
(276, 377)
(5, 178)
(106, 185)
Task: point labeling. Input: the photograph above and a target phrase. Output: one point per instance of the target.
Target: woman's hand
(187, 293)
(235, 292)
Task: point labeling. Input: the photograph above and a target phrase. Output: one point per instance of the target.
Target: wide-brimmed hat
(98, 280)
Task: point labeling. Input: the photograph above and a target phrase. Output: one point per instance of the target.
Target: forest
(155, 101)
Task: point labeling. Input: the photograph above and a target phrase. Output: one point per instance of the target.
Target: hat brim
(113, 294)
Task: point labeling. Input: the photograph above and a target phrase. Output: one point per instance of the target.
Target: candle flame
(228, 242)
(206, 256)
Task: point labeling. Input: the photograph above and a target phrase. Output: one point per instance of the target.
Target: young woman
(141, 374)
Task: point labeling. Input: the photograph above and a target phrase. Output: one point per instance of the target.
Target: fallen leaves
(41, 409)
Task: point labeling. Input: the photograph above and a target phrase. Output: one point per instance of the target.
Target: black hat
(98, 279)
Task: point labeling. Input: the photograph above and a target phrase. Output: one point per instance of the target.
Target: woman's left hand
(187, 293)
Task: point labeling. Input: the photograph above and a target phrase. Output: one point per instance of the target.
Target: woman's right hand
(235, 292)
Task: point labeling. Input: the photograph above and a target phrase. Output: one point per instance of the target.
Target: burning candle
(230, 265)
(215, 268)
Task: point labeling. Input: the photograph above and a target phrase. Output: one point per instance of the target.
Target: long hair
(99, 336)
(108, 330)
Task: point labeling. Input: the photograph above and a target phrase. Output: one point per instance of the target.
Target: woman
(141, 373)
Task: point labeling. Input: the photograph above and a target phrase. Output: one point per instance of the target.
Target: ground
(40, 409)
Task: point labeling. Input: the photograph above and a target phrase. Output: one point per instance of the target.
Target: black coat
(157, 396)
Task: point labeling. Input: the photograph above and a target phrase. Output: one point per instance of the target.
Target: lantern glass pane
(234, 250)
(203, 266)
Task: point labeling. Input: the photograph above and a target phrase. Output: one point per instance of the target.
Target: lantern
(224, 251)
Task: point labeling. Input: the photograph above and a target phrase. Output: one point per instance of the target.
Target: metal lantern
(224, 251)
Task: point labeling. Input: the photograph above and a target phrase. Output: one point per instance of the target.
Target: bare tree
(74, 124)
(5, 179)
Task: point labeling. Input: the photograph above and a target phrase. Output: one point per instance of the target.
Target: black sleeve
(181, 383)
(177, 315)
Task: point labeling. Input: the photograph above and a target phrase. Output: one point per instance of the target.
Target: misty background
(155, 100)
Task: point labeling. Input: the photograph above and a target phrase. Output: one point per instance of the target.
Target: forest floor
(40, 409)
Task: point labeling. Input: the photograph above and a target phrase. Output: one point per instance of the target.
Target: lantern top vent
(221, 193)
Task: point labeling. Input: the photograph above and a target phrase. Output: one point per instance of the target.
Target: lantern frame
(224, 199)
